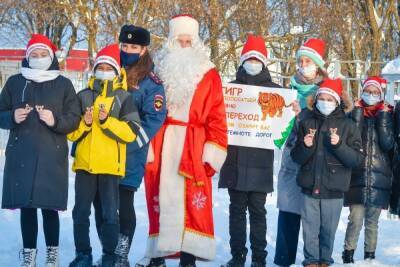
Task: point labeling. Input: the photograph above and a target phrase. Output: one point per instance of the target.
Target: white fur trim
(373, 83)
(150, 154)
(108, 60)
(38, 46)
(309, 49)
(253, 54)
(172, 191)
(328, 91)
(199, 245)
(152, 249)
(183, 25)
(214, 155)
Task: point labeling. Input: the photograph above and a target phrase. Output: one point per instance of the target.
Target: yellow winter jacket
(101, 146)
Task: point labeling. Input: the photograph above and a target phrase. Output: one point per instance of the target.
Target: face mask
(128, 59)
(105, 75)
(252, 68)
(42, 63)
(308, 71)
(370, 99)
(326, 107)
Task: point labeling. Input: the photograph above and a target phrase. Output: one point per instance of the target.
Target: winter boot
(82, 260)
(108, 260)
(52, 259)
(234, 262)
(258, 264)
(28, 257)
(347, 256)
(122, 251)
(154, 262)
(369, 255)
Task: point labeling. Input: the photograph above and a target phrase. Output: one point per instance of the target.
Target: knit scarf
(39, 76)
(371, 111)
(304, 89)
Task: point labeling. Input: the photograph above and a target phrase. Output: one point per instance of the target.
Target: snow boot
(347, 256)
(154, 262)
(52, 258)
(82, 260)
(369, 255)
(28, 257)
(108, 260)
(122, 251)
(258, 264)
(235, 262)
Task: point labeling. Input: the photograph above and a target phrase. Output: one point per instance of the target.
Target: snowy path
(388, 253)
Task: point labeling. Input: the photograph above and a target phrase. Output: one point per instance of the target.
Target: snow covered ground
(388, 252)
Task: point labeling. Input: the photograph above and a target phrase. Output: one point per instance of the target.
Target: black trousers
(240, 202)
(86, 187)
(29, 227)
(287, 238)
(127, 215)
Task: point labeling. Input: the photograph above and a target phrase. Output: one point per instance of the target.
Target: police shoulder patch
(158, 102)
(155, 78)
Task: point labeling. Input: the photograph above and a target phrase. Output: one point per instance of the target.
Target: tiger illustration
(271, 104)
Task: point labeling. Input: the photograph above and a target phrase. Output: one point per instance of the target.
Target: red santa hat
(109, 55)
(315, 49)
(377, 82)
(254, 48)
(40, 41)
(183, 24)
(331, 87)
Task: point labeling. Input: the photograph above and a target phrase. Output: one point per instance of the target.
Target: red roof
(77, 60)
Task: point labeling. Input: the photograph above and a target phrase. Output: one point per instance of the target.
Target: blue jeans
(320, 219)
(359, 214)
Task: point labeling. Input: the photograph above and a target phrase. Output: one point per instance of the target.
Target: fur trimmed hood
(347, 103)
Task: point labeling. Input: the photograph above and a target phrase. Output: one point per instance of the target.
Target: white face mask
(41, 63)
(105, 75)
(309, 71)
(370, 99)
(252, 68)
(326, 107)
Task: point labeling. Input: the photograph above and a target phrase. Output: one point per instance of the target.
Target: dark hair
(140, 70)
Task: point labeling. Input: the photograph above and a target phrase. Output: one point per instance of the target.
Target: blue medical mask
(370, 99)
(41, 63)
(105, 75)
(252, 68)
(129, 59)
(326, 107)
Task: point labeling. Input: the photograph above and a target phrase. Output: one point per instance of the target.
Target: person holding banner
(248, 171)
(310, 73)
(371, 183)
(188, 150)
(327, 148)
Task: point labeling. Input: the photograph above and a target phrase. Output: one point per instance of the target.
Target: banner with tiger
(258, 116)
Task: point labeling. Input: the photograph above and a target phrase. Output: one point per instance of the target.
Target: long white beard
(181, 69)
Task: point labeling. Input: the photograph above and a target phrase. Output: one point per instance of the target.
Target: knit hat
(377, 82)
(314, 49)
(132, 34)
(331, 87)
(40, 41)
(183, 24)
(110, 55)
(254, 48)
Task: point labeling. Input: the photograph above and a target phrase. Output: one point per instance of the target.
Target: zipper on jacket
(369, 158)
(119, 156)
(23, 92)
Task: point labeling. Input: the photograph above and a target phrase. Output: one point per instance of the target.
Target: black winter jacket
(371, 181)
(325, 170)
(36, 166)
(247, 168)
(395, 195)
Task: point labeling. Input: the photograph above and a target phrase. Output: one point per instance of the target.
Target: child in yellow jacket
(110, 120)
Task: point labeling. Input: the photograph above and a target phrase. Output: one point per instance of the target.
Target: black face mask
(129, 59)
